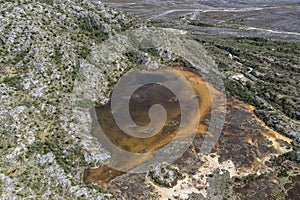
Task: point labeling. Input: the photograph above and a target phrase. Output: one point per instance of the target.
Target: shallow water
(140, 102)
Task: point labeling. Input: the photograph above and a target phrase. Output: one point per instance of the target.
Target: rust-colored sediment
(100, 175)
(206, 95)
(139, 113)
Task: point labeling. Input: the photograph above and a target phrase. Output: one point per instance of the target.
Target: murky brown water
(140, 102)
(242, 133)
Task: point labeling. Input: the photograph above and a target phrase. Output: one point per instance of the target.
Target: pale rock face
(48, 158)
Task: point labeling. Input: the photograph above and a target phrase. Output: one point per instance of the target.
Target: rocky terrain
(43, 44)
(57, 61)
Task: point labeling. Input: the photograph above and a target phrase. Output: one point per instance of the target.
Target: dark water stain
(294, 192)
(139, 105)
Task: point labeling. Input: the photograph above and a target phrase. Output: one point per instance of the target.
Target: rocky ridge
(42, 46)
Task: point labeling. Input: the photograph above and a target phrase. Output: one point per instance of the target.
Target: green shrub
(84, 52)
(14, 81)
(49, 2)
(19, 57)
(238, 90)
(57, 55)
(90, 28)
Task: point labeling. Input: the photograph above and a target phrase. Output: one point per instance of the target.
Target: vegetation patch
(90, 28)
(202, 24)
(84, 51)
(13, 81)
(165, 176)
